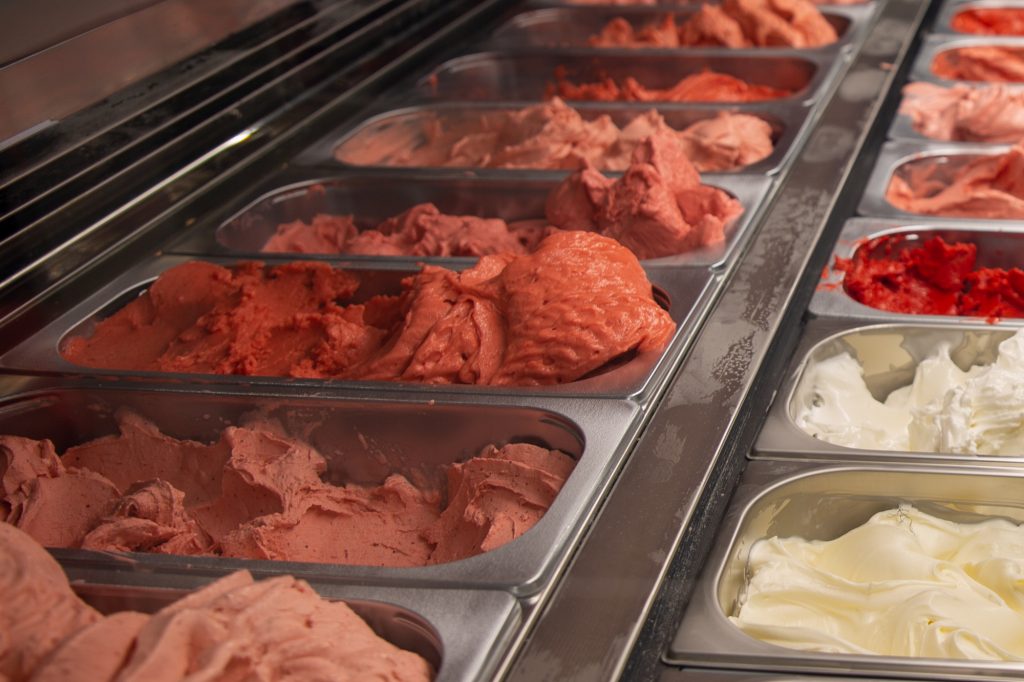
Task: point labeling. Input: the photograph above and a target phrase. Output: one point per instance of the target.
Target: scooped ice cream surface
(987, 113)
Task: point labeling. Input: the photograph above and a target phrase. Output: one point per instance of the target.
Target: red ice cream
(934, 278)
(706, 86)
(733, 23)
(552, 135)
(257, 494)
(992, 63)
(1006, 21)
(445, 327)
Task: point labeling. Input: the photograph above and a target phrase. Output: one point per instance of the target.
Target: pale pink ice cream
(235, 628)
(987, 113)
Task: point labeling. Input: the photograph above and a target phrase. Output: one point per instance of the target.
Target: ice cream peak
(945, 409)
(987, 113)
(658, 208)
(1008, 21)
(553, 135)
(446, 327)
(992, 63)
(733, 23)
(254, 493)
(235, 628)
(989, 186)
(934, 278)
(904, 583)
(704, 86)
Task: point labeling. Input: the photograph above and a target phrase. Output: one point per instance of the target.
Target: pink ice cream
(235, 628)
(553, 135)
(257, 494)
(991, 186)
(989, 113)
(658, 208)
(992, 63)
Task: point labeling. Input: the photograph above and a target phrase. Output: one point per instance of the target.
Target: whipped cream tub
(824, 393)
(459, 632)
(360, 444)
(372, 198)
(793, 500)
(573, 27)
(936, 163)
(527, 75)
(683, 292)
(998, 246)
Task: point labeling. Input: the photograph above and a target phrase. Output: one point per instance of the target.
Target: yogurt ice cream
(945, 409)
(575, 304)
(1007, 21)
(904, 583)
(705, 86)
(990, 186)
(257, 494)
(733, 23)
(234, 628)
(989, 113)
(934, 278)
(992, 63)
(553, 135)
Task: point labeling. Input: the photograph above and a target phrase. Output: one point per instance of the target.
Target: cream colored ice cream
(903, 584)
(945, 409)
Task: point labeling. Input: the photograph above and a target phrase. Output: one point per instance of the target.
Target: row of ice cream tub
(326, 490)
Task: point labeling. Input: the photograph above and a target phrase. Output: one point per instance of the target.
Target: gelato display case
(538, 332)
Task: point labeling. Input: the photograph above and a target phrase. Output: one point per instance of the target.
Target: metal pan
(788, 499)
(933, 45)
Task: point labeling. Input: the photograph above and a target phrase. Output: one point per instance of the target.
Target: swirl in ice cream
(903, 584)
(945, 409)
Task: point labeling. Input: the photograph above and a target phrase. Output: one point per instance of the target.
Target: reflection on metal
(84, 69)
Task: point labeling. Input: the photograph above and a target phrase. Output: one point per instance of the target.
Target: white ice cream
(903, 584)
(978, 412)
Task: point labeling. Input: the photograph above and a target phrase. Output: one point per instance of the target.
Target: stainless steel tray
(683, 292)
(359, 440)
(523, 76)
(889, 353)
(460, 632)
(572, 27)
(896, 154)
(411, 124)
(934, 44)
(373, 198)
(999, 246)
(944, 21)
(787, 499)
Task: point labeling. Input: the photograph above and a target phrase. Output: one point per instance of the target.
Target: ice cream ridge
(235, 628)
(258, 494)
(934, 278)
(946, 409)
(658, 208)
(733, 23)
(985, 113)
(904, 583)
(552, 135)
(988, 186)
(704, 86)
